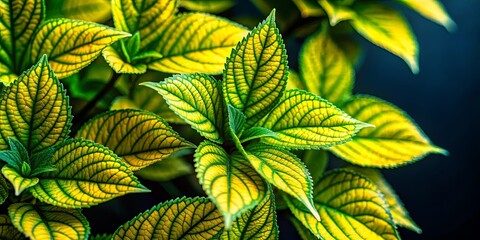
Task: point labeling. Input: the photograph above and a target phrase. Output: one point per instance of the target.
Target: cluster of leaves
(265, 130)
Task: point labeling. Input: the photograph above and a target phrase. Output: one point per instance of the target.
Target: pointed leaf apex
(142, 189)
(228, 220)
(450, 25)
(313, 211)
(440, 150)
(362, 125)
(44, 58)
(271, 16)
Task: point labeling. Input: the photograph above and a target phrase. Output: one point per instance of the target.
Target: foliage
(174, 82)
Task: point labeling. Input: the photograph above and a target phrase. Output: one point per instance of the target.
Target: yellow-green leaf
(433, 10)
(304, 121)
(396, 139)
(257, 223)
(304, 233)
(399, 213)
(42, 221)
(72, 44)
(7, 230)
(294, 81)
(324, 69)
(197, 98)
(196, 42)
(184, 218)
(309, 8)
(144, 16)
(336, 12)
(88, 174)
(140, 138)
(284, 170)
(212, 6)
(88, 10)
(18, 182)
(388, 29)
(113, 58)
(165, 170)
(230, 181)
(256, 73)
(35, 110)
(147, 99)
(18, 21)
(350, 206)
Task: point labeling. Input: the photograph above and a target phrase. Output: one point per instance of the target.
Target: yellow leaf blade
(35, 109)
(211, 6)
(196, 42)
(196, 98)
(88, 10)
(42, 221)
(18, 182)
(88, 174)
(396, 140)
(72, 44)
(433, 10)
(336, 12)
(165, 170)
(304, 121)
(189, 218)
(256, 72)
(118, 65)
(388, 29)
(230, 181)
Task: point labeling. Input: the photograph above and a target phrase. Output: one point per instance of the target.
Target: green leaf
(103, 236)
(211, 6)
(35, 110)
(257, 223)
(197, 98)
(88, 174)
(305, 121)
(256, 73)
(230, 181)
(72, 44)
(165, 170)
(183, 218)
(324, 69)
(42, 221)
(88, 10)
(18, 21)
(396, 140)
(147, 99)
(196, 42)
(140, 138)
(16, 155)
(337, 12)
(236, 120)
(388, 29)
(284, 170)
(19, 182)
(116, 62)
(304, 233)
(433, 10)
(399, 213)
(7, 230)
(316, 162)
(144, 16)
(257, 132)
(3, 195)
(350, 206)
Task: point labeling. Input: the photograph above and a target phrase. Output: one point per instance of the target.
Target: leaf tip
(450, 25)
(141, 189)
(313, 211)
(227, 221)
(440, 150)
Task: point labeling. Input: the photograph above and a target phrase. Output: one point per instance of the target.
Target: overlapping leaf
(350, 207)
(337, 12)
(72, 44)
(324, 69)
(197, 98)
(304, 121)
(88, 10)
(87, 175)
(165, 170)
(140, 138)
(309, 8)
(304, 233)
(212, 6)
(149, 100)
(18, 21)
(230, 181)
(7, 230)
(189, 218)
(3, 191)
(256, 73)
(196, 42)
(316, 162)
(400, 215)
(42, 221)
(144, 16)
(19, 182)
(396, 139)
(388, 29)
(113, 58)
(257, 223)
(35, 110)
(284, 170)
(433, 10)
